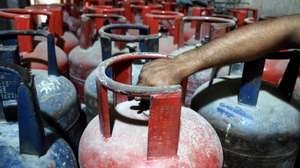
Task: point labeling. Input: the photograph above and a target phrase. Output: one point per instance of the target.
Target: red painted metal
(139, 11)
(72, 7)
(126, 4)
(202, 11)
(242, 14)
(170, 20)
(87, 3)
(104, 9)
(65, 39)
(171, 136)
(21, 22)
(85, 57)
(36, 52)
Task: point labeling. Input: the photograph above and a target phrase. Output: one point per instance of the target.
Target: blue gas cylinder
(257, 126)
(56, 95)
(26, 144)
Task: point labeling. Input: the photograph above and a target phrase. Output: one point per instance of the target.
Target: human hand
(161, 72)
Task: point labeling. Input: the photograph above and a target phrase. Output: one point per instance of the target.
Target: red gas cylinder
(104, 9)
(139, 11)
(72, 7)
(202, 11)
(169, 5)
(21, 22)
(170, 24)
(154, 132)
(35, 53)
(126, 4)
(85, 57)
(242, 14)
(96, 2)
(65, 39)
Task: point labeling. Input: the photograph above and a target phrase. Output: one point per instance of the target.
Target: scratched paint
(256, 136)
(58, 154)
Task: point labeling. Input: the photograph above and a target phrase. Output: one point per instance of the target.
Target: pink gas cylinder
(242, 14)
(150, 127)
(35, 52)
(169, 23)
(66, 40)
(197, 79)
(85, 57)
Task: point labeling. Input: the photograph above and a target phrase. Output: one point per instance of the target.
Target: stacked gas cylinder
(69, 95)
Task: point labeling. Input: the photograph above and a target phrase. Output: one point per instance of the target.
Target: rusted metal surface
(171, 139)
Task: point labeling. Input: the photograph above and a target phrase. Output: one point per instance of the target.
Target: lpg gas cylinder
(27, 143)
(257, 126)
(197, 79)
(154, 132)
(242, 13)
(56, 94)
(139, 11)
(85, 57)
(126, 4)
(41, 46)
(66, 40)
(146, 42)
(170, 24)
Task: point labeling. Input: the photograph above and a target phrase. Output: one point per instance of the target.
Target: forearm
(246, 43)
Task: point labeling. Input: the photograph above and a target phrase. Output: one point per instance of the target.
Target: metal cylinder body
(198, 144)
(261, 136)
(61, 57)
(59, 153)
(59, 106)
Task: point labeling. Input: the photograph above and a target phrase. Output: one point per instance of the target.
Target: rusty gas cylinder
(66, 40)
(35, 52)
(85, 57)
(155, 131)
(147, 42)
(256, 124)
(170, 24)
